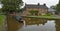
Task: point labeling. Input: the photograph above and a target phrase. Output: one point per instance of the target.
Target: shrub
(47, 14)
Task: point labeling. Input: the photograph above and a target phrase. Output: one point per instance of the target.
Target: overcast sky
(48, 2)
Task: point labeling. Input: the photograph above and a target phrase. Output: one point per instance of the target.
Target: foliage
(49, 14)
(0, 10)
(1, 19)
(33, 12)
(11, 5)
(58, 7)
(53, 7)
(21, 10)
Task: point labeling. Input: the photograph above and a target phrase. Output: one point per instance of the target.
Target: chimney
(44, 4)
(38, 4)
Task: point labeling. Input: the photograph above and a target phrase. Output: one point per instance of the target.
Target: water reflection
(57, 25)
(34, 25)
(38, 25)
(13, 25)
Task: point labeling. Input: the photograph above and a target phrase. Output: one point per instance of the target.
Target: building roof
(51, 10)
(35, 6)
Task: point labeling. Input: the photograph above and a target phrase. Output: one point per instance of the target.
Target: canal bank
(44, 17)
(12, 23)
(3, 23)
(35, 24)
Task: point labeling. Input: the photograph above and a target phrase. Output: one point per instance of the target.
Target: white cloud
(48, 2)
(0, 5)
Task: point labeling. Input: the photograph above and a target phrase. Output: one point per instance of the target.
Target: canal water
(34, 25)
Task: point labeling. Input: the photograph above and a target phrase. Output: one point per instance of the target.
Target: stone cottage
(35, 10)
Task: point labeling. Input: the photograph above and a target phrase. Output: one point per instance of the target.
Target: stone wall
(40, 11)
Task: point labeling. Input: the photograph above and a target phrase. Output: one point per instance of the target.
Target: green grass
(47, 17)
(2, 17)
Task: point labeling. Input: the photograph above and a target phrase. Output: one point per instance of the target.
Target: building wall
(40, 11)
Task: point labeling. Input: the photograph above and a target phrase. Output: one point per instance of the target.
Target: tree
(0, 10)
(53, 7)
(10, 6)
(58, 7)
(33, 12)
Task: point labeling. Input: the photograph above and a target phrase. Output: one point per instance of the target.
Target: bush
(2, 17)
(47, 14)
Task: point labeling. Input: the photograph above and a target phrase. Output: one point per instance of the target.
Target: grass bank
(2, 17)
(46, 17)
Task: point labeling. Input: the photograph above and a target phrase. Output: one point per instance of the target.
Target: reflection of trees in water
(13, 25)
(32, 21)
(57, 25)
